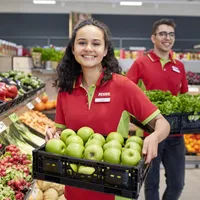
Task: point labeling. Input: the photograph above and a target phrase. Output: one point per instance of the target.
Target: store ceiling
(116, 1)
(149, 7)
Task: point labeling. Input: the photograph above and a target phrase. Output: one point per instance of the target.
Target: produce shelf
(192, 159)
(4, 107)
(44, 71)
(118, 179)
(11, 115)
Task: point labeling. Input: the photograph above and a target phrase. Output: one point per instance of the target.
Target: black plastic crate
(34, 91)
(3, 107)
(175, 122)
(41, 86)
(30, 93)
(190, 123)
(14, 102)
(120, 180)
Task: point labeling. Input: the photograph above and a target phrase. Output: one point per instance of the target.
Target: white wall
(100, 8)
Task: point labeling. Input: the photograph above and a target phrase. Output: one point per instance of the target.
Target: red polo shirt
(104, 108)
(154, 76)
(149, 70)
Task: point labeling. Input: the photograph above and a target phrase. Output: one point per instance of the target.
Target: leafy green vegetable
(49, 54)
(169, 104)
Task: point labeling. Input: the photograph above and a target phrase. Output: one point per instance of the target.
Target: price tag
(38, 100)
(30, 105)
(13, 117)
(34, 192)
(2, 127)
(193, 89)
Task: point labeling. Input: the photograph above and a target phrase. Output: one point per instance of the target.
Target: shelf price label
(193, 89)
(38, 100)
(13, 117)
(34, 192)
(2, 127)
(30, 105)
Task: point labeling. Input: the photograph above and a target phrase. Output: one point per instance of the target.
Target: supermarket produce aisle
(191, 189)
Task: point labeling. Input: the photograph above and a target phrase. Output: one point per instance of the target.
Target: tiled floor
(192, 185)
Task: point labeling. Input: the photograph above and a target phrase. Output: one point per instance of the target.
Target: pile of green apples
(86, 144)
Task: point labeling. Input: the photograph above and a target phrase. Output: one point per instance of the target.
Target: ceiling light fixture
(130, 3)
(44, 2)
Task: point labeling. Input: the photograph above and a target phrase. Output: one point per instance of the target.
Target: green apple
(94, 141)
(66, 133)
(73, 139)
(130, 157)
(55, 145)
(74, 167)
(112, 144)
(136, 139)
(97, 136)
(112, 155)
(85, 132)
(133, 145)
(115, 136)
(86, 170)
(75, 150)
(93, 152)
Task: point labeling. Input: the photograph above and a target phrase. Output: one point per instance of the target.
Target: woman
(94, 94)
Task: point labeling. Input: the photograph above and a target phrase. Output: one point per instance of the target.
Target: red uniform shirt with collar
(171, 77)
(103, 109)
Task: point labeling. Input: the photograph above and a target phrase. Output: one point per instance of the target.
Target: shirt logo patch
(101, 100)
(104, 94)
(175, 69)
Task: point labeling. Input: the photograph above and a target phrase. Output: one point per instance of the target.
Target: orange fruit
(49, 105)
(55, 103)
(44, 98)
(39, 106)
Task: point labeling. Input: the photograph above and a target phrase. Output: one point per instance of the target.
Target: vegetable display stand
(5, 106)
(118, 179)
(190, 123)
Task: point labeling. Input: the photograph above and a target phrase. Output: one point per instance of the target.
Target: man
(157, 70)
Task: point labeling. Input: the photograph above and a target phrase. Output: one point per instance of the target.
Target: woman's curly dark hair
(69, 69)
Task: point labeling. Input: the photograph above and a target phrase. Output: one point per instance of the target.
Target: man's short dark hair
(168, 22)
